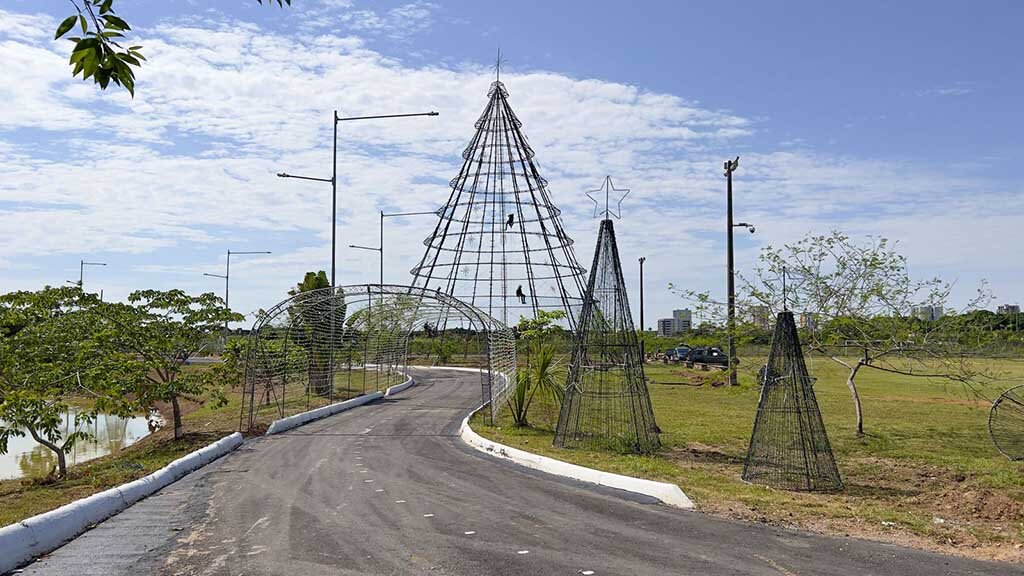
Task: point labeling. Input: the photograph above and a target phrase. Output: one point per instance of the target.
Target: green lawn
(926, 474)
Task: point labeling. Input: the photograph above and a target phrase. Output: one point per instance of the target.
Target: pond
(26, 458)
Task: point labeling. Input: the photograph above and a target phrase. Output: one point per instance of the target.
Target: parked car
(708, 355)
(677, 354)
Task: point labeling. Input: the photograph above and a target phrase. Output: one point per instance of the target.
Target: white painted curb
(22, 541)
(400, 387)
(278, 426)
(667, 493)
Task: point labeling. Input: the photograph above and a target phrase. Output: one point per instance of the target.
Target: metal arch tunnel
(300, 349)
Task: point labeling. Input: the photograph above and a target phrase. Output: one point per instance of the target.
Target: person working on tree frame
(511, 221)
(520, 294)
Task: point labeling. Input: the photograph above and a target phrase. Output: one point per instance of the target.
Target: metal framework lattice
(327, 345)
(499, 244)
(1006, 423)
(606, 403)
(789, 448)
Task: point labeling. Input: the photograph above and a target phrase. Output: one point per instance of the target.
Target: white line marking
(523, 552)
(470, 532)
(367, 481)
(428, 515)
(399, 501)
(262, 520)
(379, 490)
(586, 572)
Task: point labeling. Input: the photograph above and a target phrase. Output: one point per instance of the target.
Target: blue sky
(895, 119)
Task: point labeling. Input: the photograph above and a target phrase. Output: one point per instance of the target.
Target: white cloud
(955, 89)
(189, 166)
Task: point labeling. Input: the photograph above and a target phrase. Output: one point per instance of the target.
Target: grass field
(926, 474)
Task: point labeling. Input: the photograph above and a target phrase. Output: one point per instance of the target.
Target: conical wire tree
(606, 402)
(789, 448)
(499, 243)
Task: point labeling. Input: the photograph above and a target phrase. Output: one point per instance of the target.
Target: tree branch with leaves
(98, 52)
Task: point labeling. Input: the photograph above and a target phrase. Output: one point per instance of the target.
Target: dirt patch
(885, 500)
(696, 452)
(980, 504)
(691, 378)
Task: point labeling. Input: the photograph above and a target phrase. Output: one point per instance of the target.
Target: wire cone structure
(1006, 423)
(499, 244)
(606, 402)
(789, 448)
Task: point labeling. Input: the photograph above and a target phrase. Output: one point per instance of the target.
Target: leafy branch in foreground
(97, 53)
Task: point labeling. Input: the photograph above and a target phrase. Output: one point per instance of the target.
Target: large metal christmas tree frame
(606, 404)
(499, 244)
(789, 448)
(1006, 423)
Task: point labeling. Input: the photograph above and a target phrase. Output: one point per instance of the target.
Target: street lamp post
(380, 247)
(642, 260)
(730, 167)
(81, 272)
(227, 282)
(333, 180)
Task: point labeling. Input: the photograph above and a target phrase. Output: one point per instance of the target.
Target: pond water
(26, 458)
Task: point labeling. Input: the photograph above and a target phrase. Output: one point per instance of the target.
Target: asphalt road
(388, 488)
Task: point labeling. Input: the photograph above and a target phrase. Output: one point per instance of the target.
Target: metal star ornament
(609, 190)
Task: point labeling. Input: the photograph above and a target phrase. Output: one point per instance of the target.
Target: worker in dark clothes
(520, 294)
(511, 221)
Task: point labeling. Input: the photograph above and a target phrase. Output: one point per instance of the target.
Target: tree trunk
(176, 410)
(856, 397)
(62, 466)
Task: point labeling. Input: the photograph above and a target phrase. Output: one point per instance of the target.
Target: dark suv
(707, 356)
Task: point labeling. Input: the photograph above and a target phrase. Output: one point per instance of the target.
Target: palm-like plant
(539, 375)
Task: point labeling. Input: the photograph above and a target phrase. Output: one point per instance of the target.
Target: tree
(98, 52)
(49, 353)
(317, 322)
(157, 333)
(860, 295)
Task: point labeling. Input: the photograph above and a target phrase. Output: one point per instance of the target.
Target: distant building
(809, 321)
(927, 313)
(667, 327)
(683, 318)
(681, 321)
(760, 316)
(1008, 309)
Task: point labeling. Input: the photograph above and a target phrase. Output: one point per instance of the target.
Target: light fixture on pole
(371, 248)
(333, 180)
(226, 276)
(730, 167)
(81, 272)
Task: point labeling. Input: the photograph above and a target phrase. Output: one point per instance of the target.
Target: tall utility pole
(227, 283)
(730, 167)
(333, 180)
(642, 260)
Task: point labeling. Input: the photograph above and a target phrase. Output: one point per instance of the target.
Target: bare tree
(859, 296)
